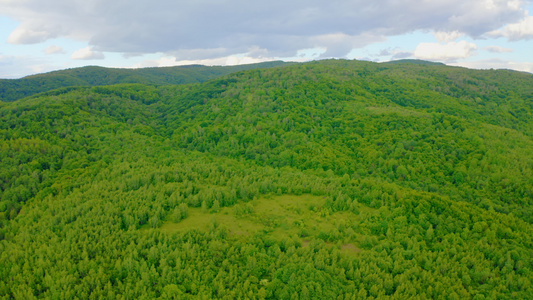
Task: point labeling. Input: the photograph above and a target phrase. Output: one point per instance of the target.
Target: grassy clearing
(302, 217)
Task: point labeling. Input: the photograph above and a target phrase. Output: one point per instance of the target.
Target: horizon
(481, 34)
(296, 62)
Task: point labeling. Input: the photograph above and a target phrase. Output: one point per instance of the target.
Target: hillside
(414, 61)
(312, 181)
(13, 89)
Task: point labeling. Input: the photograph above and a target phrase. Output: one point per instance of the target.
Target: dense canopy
(331, 179)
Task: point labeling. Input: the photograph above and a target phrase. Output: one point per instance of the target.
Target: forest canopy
(339, 179)
(13, 89)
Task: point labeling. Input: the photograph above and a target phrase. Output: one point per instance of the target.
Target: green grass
(303, 218)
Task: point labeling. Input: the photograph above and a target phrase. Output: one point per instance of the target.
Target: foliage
(13, 89)
(323, 179)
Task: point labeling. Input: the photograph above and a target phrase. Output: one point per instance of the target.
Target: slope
(13, 89)
(317, 179)
(364, 120)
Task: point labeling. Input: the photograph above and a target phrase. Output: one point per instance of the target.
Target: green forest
(331, 179)
(14, 89)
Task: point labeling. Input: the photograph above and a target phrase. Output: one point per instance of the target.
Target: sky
(39, 36)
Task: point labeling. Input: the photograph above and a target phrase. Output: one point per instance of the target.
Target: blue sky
(39, 36)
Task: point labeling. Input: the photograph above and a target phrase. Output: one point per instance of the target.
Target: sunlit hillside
(331, 179)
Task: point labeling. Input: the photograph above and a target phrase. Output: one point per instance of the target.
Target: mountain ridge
(13, 89)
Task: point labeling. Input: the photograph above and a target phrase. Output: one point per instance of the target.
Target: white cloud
(497, 64)
(192, 54)
(230, 31)
(520, 66)
(446, 37)
(308, 54)
(522, 30)
(445, 52)
(23, 35)
(219, 61)
(54, 49)
(281, 27)
(164, 61)
(340, 44)
(476, 18)
(498, 49)
(12, 66)
(87, 53)
(253, 55)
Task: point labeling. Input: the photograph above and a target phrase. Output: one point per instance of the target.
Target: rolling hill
(13, 89)
(317, 180)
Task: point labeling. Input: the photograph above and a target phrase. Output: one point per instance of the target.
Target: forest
(13, 89)
(330, 179)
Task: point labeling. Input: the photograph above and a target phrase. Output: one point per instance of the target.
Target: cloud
(392, 54)
(498, 49)
(6, 60)
(497, 64)
(54, 50)
(402, 55)
(522, 30)
(446, 37)
(340, 44)
(219, 61)
(23, 35)
(192, 54)
(214, 28)
(87, 53)
(12, 66)
(445, 52)
(475, 18)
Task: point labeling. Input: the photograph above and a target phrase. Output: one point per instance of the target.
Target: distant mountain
(415, 61)
(13, 89)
